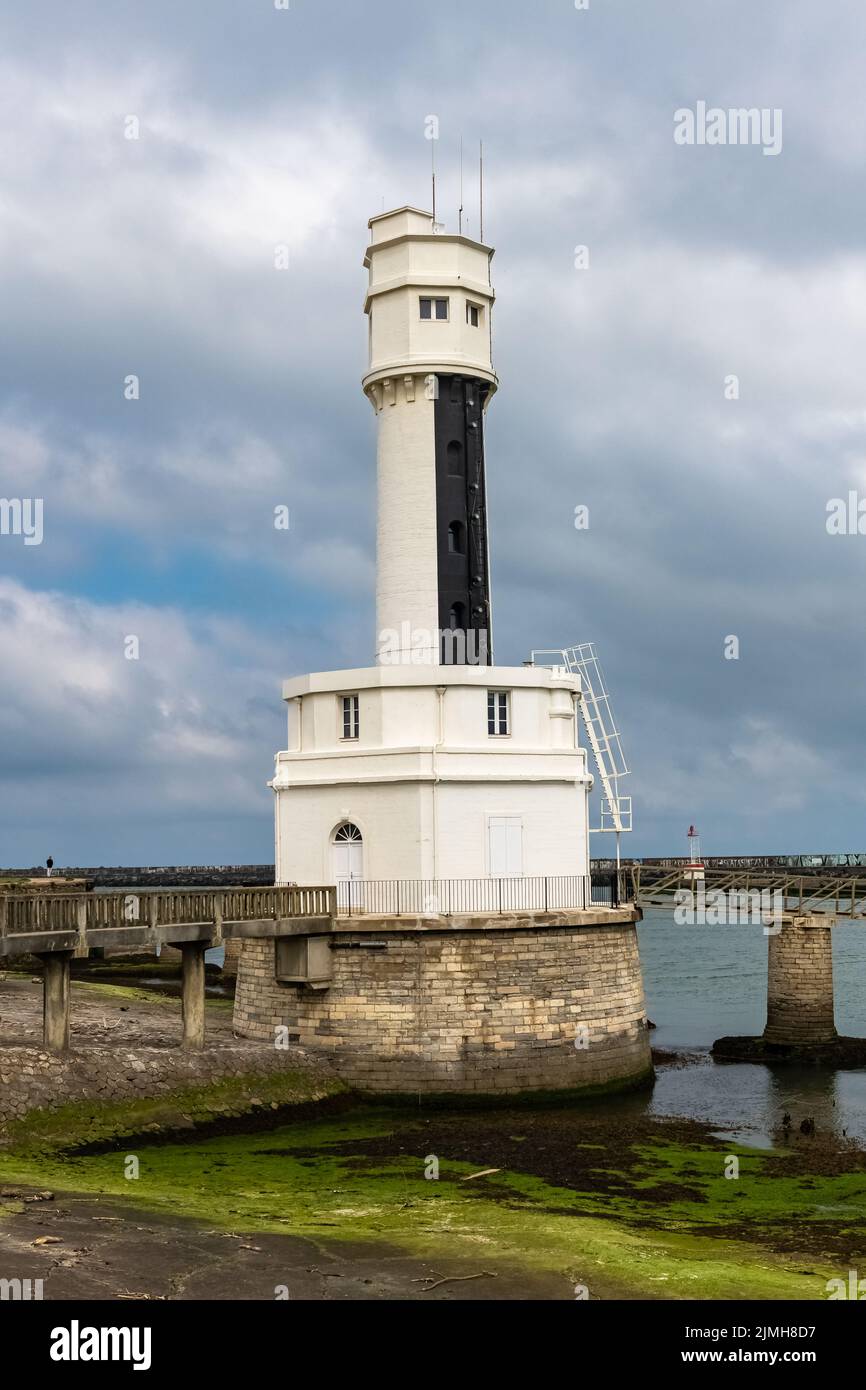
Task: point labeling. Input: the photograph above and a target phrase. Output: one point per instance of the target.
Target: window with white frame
(473, 314)
(498, 712)
(351, 716)
(434, 308)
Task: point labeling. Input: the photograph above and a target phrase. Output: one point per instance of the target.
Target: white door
(348, 865)
(505, 846)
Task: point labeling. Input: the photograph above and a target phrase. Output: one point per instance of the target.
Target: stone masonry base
(529, 1005)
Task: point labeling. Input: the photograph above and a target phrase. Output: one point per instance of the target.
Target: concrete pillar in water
(800, 983)
(55, 1000)
(193, 993)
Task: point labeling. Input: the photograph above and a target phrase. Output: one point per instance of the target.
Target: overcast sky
(154, 256)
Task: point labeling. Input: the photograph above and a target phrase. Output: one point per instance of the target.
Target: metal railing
(832, 893)
(23, 913)
(420, 897)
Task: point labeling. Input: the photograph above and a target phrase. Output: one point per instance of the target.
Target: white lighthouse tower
(430, 377)
(433, 774)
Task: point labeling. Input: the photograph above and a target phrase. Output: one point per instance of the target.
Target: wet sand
(101, 1249)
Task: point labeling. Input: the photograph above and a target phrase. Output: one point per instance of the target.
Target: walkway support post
(800, 1008)
(193, 977)
(55, 1000)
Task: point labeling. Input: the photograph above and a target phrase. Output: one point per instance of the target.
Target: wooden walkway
(58, 926)
(35, 923)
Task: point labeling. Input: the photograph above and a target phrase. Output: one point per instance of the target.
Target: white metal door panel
(505, 846)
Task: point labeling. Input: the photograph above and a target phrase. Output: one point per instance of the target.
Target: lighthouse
(442, 798)
(432, 765)
(693, 871)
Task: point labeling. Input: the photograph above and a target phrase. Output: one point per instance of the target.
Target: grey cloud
(707, 516)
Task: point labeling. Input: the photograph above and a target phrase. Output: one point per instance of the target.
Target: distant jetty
(157, 876)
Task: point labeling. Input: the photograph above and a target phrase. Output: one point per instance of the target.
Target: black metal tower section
(461, 522)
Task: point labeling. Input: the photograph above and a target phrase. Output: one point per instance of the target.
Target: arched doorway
(347, 861)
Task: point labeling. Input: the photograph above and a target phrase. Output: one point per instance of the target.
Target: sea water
(706, 982)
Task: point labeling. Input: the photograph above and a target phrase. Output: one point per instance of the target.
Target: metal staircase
(601, 731)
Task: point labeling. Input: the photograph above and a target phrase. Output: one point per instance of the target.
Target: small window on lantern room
(473, 315)
(455, 538)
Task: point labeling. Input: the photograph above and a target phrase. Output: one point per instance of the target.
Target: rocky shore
(126, 1048)
(841, 1053)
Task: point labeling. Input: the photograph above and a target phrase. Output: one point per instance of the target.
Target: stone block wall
(32, 1078)
(800, 983)
(546, 1005)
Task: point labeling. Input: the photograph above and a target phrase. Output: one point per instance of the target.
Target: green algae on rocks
(652, 1216)
(93, 1122)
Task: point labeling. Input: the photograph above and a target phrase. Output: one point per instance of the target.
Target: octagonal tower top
(429, 300)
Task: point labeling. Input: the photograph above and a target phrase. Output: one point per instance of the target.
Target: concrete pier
(192, 993)
(55, 1000)
(800, 983)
